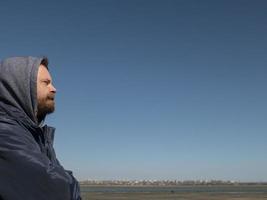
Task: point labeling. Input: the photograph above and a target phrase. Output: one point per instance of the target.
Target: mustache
(51, 97)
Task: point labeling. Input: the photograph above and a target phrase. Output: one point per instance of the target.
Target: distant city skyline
(167, 182)
(151, 89)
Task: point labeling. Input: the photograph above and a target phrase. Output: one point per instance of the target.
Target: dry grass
(172, 196)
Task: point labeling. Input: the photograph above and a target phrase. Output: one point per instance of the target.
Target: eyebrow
(46, 80)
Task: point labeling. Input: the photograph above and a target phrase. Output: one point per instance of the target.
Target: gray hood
(18, 84)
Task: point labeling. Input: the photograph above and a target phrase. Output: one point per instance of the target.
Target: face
(45, 93)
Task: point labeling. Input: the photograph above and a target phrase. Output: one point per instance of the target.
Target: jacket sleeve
(27, 173)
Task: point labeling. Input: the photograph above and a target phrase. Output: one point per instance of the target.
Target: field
(248, 194)
(165, 196)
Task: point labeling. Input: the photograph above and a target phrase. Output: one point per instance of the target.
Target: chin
(50, 108)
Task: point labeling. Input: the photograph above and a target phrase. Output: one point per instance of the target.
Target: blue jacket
(29, 169)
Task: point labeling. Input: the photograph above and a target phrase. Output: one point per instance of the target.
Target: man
(29, 169)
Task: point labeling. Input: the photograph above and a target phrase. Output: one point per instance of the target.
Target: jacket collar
(15, 114)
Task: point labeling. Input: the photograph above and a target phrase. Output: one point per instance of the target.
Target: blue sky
(151, 89)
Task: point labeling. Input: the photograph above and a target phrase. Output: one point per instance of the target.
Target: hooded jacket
(29, 169)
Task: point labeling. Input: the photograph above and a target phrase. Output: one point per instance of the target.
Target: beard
(45, 106)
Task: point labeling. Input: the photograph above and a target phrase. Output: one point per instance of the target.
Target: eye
(46, 82)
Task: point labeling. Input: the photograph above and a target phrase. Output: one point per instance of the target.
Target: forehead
(43, 73)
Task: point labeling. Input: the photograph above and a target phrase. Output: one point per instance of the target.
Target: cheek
(41, 92)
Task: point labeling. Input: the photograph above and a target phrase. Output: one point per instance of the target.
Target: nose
(53, 89)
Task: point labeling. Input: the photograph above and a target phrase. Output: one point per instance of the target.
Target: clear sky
(149, 89)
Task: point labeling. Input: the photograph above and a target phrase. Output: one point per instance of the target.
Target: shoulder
(8, 125)
(13, 134)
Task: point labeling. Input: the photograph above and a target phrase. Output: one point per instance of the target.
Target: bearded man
(29, 169)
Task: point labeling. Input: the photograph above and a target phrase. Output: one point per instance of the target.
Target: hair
(44, 62)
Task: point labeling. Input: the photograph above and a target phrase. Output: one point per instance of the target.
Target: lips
(51, 98)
